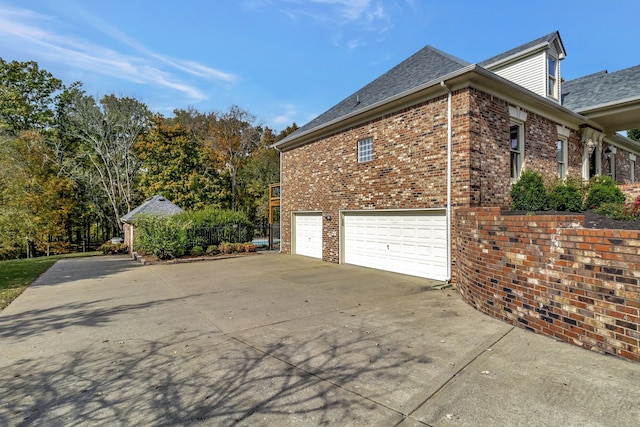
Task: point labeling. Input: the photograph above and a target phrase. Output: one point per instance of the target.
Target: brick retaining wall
(631, 191)
(548, 275)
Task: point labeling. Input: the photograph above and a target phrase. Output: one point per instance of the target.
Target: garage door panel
(308, 234)
(409, 243)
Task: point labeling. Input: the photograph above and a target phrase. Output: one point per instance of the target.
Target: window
(365, 150)
(562, 158)
(632, 168)
(516, 148)
(552, 81)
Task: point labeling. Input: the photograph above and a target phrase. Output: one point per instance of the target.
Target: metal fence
(209, 236)
(274, 237)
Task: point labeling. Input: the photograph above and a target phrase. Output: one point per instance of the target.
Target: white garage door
(308, 234)
(413, 243)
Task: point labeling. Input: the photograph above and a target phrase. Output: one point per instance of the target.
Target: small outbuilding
(156, 205)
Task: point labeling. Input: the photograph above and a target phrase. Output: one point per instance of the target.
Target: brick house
(373, 180)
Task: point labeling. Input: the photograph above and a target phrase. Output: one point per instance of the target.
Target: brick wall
(631, 191)
(545, 274)
(408, 169)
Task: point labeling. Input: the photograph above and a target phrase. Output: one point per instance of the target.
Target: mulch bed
(149, 260)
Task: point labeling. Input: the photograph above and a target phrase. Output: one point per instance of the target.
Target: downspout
(449, 120)
(280, 207)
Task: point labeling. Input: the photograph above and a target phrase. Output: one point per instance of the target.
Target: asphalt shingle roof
(430, 64)
(601, 88)
(156, 205)
(544, 39)
(422, 67)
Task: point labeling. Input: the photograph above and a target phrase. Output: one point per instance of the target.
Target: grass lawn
(17, 274)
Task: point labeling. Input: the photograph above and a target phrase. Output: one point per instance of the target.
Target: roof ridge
(513, 51)
(426, 64)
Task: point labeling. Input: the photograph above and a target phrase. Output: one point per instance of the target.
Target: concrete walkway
(278, 340)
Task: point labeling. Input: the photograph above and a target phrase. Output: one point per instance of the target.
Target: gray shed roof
(424, 66)
(601, 88)
(156, 205)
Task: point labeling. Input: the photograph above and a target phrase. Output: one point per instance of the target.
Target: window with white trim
(365, 150)
(516, 148)
(552, 77)
(562, 157)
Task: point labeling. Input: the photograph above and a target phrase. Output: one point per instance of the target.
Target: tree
(261, 168)
(231, 139)
(26, 96)
(37, 200)
(634, 134)
(175, 164)
(106, 132)
(286, 132)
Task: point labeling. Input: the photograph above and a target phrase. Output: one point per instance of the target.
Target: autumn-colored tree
(36, 199)
(175, 164)
(231, 139)
(261, 168)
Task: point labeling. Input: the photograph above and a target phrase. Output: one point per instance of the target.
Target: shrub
(249, 247)
(621, 211)
(197, 251)
(529, 193)
(164, 237)
(212, 250)
(109, 248)
(9, 253)
(566, 196)
(225, 248)
(602, 189)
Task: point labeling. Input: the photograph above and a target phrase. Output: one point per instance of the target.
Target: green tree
(175, 164)
(634, 134)
(27, 96)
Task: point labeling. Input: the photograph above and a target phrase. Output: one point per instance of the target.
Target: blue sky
(289, 60)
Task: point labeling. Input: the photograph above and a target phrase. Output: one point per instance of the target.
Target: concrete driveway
(281, 340)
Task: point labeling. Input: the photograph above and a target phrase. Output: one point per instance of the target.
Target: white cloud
(38, 35)
(348, 15)
(289, 113)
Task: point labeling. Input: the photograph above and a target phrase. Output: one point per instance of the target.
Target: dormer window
(552, 80)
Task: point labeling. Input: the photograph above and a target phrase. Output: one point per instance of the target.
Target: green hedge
(177, 235)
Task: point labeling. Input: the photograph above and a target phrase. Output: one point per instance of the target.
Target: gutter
(449, 178)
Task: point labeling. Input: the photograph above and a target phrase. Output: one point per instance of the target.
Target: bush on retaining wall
(547, 274)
